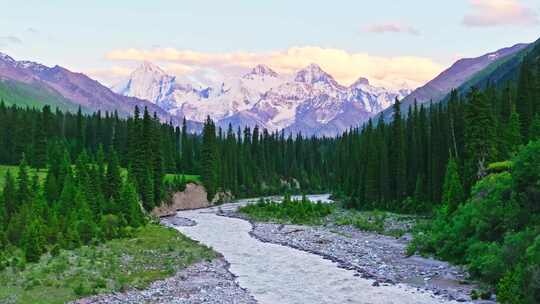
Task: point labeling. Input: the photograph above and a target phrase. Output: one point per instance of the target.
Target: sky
(393, 43)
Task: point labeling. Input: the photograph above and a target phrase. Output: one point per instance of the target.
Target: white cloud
(32, 30)
(9, 40)
(391, 28)
(345, 66)
(487, 13)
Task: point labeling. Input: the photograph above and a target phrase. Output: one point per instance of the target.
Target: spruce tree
(131, 209)
(479, 136)
(23, 183)
(147, 190)
(187, 152)
(534, 131)
(209, 162)
(453, 194)
(9, 195)
(113, 177)
(33, 241)
(513, 133)
(524, 101)
(39, 155)
(51, 190)
(397, 155)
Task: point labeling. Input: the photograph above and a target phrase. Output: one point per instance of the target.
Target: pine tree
(33, 241)
(209, 162)
(187, 153)
(3, 219)
(39, 155)
(80, 140)
(51, 190)
(100, 162)
(9, 196)
(372, 169)
(131, 208)
(113, 177)
(23, 183)
(397, 152)
(524, 101)
(534, 131)
(85, 226)
(147, 190)
(156, 157)
(453, 194)
(479, 136)
(513, 133)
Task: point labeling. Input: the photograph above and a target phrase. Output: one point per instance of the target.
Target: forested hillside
(471, 163)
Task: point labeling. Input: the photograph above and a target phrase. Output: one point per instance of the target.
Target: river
(278, 274)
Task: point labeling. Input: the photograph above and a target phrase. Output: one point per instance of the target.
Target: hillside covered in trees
(470, 162)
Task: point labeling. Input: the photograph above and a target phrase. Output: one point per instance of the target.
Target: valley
(294, 263)
(372, 152)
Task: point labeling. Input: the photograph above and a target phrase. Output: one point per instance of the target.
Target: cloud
(32, 30)
(391, 28)
(345, 66)
(9, 40)
(486, 13)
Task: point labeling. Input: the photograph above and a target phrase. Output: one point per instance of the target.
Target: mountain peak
(6, 58)
(312, 74)
(31, 65)
(262, 70)
(360, 81)
(147, 66)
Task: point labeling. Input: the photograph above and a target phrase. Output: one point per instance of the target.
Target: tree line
(253, 162)
(402, 165)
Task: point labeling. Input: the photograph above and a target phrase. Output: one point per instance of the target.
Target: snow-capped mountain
(69, 90)
(311, 101)
(148, 82)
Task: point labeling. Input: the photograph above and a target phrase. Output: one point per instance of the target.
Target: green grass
(43, 173)
(22, 95)
(382, 222)
(14, 170)
(305, 212)
(188, 177)
(154, 252)
(302, 212)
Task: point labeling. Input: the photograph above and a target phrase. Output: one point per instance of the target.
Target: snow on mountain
(72, 89)
(311, 101)
(148, 82)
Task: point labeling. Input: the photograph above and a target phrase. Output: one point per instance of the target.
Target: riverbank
(150, 253)
(370, 255)
(274, 273)
(204, 282)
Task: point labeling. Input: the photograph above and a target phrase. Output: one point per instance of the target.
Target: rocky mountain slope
(41, 84)
(310, 102)
(460, 73)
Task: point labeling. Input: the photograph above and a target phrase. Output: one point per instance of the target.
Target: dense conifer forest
(472, 163)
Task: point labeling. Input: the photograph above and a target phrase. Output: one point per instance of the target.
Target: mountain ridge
(68, 90)
(454, 77)
(265, 98)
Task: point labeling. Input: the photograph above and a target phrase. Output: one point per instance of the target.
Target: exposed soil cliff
(193, 197)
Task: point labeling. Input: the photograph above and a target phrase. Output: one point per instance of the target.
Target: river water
(276, 274)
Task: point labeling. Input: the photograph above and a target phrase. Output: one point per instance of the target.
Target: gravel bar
(373, 256)
(204, 282)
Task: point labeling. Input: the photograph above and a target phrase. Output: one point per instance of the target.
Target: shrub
(110, 226)
(290, 211)
(496, 231)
